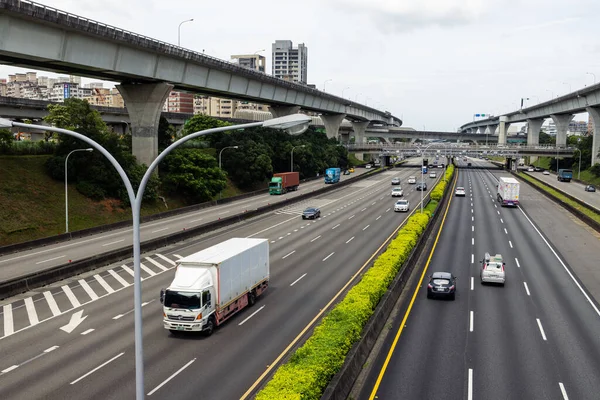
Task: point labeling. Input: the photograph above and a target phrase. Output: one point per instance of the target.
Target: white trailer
(508, 191)
(212, 285)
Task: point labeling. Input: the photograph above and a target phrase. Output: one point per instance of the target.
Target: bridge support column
(562, 122)
(332, 124)
(282, 111)
(144, 104)
(359, 131)
(595, 115)
(504, 125)
(533, 131)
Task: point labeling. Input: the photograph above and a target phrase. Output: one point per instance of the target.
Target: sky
(433, 63)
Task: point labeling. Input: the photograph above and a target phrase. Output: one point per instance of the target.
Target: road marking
(335, 226)
(171, 377)
(50, 259)
(148, 270)
(541, 328)
(352, 216)
(88, 331)
(71, 296)
(471, 211)
(224, 212)
(472, 258)
(472, 282)
(295, 230)
(315, 238)
(31, 313)
(471, 204)
(88, 289)
(510, 243)
(495, 205)
(157, 264)
(517, 261)
(563, 391)
(97, 368)
(280, 237)
(328, 256)
(251, 315)
(118, 278)
(349, 240)
(4, 371)
(472, 228)
(388, 210)
(52, 303)
(377, 218)
(526, 288)
(293, 283)
(505, 231)
(364, 209)
(470, 385)
(103, 283)
(471, 322)
(472, 241)
(196, 220)
(166, 259)
(501, 220)
(288, 254)
(366, 227)
(472, 219)
(49, 349)
(111, 243)
(128, 270)
(161, 229)
(288, 234)
(498, 212)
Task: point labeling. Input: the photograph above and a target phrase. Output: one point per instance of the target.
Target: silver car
(402, 206)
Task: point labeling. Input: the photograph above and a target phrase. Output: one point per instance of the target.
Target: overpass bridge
(34, 35)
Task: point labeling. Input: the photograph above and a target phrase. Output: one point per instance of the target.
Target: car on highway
(421, 186)
(460, 191)
(440, 166)
(397, 192)
(590, 188)
(402, 206)
(396, 181)
(530, 169)
(412, 179)
(432, 175)
(538, 169)
(492, 269)
(546, 172)
(311, 213)
(441, 284)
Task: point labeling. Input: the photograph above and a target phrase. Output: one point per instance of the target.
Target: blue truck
(565, 175)
(332, 175)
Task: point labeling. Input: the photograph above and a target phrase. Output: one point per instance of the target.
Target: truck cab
(564, 175)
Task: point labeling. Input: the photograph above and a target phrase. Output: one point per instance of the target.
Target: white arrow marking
(76, 319)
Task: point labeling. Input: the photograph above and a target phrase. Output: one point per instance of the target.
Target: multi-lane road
(535, 338)
(573, 188)
(74, 339)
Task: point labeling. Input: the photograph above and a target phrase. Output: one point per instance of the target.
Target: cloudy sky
(432, 62)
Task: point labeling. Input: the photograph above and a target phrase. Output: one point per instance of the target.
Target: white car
(401, 205)
(460, 191)
(412, 179)
(530, 169)
(546, 172)
(397, 192)
(432, 175)
(492, 269)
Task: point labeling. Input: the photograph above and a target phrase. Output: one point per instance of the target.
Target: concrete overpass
(561, 110)
(454, 150)
(33, 35)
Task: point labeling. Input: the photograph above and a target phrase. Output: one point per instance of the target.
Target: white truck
(212, 285)
(508, 191)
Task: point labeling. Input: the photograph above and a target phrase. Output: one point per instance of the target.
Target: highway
(30, 261)
(311, 261)
(573, 188)
(535, 338)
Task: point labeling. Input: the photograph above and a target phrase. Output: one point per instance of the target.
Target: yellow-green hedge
(313, 365)
(438, 192)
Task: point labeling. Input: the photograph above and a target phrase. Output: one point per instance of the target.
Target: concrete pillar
(504, 125)
(332, 124)
(533, 131)
(562, 126)
(282, 111)
(144, 104)
(345, 137)
(595, 115)
(359, 131)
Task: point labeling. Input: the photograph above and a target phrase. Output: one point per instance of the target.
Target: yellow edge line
(311, 323)
(392, 348)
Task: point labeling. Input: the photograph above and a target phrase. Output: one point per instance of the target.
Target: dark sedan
(590, 188)
(311, 213)
(421, 186)
(441, 284)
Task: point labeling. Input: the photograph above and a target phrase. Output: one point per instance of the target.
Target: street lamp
(594, 75)
(523, 98)
(295, 123)
(292, 162)
(128, 127)
(66, 187)
(422, 162)
(221, 152)
(579, 166)
(179, 30)
(347, 87)
(324, 83)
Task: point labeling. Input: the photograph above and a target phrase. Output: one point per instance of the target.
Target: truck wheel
(210, 327)
(251, 298)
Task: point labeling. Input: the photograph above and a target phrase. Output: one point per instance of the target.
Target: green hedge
(314, 364)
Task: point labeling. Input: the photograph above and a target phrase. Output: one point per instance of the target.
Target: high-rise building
(289, 63)
(179, 102)
(250, 61)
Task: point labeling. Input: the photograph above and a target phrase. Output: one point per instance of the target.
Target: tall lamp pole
(325, 83)
(579, 166)
(292, 162)
(594, 75)
(422, 162)
(221, 152)
(179, 30)
(66, 188)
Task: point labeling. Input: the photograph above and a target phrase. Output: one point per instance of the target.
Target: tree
(545, 138)
(166, 134)
(6, 140)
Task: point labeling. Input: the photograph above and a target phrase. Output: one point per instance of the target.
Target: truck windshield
(274, 185)
(182, 300)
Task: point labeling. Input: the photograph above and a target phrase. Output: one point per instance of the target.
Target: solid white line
(472, 258)
(288, 254)
(88, 331)
(166, 259)
(111, 243)
(4, 371)
(31, 313)
(148, 270)
(71, 296)
(128, 270)
(161, 229)
(328, 256)
(563, 264)
(470, 385)
(49, 349)
(103, 283)
(349, 240)
(118, 278)
(472, 283)
(88, 289)
(517, 261)
(377, 218)
(171, 377)
(510, 243)
(251, 315)
(472, 241)
(366, 227)
(352, 216)
(526, 289)
(315, 238)
(563, 391)
(293, 283)
(52, 303)
(471, 322)
(97, 368)
(541, 329)
(156, 263)
(50, 259)
(335, 226)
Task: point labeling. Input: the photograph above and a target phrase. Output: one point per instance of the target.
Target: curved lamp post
(179, 30)
(294, 124)
(66, 191)
(292, 162)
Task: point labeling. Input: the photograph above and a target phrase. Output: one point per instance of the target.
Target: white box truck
(508, 191)
(212, 285)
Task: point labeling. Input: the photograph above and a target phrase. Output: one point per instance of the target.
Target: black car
(441, 284)
(421, 186)
(590, 188)
(311, 213)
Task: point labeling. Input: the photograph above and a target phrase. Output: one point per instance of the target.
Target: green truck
(284, 182)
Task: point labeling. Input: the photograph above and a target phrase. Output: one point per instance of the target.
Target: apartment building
(289, 62)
